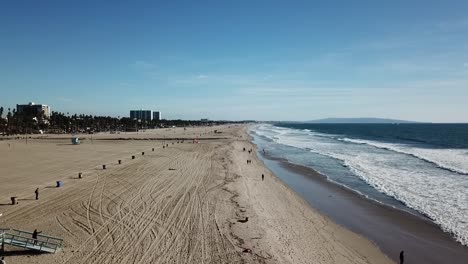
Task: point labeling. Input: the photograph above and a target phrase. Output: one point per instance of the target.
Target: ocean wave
(454, 160)
(398, 171)
(437, 198)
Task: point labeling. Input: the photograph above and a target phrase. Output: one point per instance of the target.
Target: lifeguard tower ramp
(23, 239)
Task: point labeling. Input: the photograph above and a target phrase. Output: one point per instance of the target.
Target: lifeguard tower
(75, 141)
(23, 239)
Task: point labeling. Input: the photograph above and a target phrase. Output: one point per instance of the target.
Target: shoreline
(183, 203)
(308, 227)
(389, 228)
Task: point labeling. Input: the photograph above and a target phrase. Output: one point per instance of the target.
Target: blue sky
(266, 60)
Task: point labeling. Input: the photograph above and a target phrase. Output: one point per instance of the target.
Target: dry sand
(180, 204)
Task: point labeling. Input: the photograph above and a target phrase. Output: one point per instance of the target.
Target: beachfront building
(143, 115)
(157, 116)
(34, 109)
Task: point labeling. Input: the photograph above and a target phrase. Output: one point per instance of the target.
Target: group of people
(250, 161)
(250, 150)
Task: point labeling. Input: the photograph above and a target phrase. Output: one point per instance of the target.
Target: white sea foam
(451, 159)
(405, 173)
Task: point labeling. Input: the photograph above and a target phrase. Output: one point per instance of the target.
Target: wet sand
(391, 229)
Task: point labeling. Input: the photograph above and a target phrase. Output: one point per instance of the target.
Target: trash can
(59, 184)
(13, 200)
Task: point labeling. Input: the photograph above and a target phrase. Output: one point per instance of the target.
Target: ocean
(418, 168)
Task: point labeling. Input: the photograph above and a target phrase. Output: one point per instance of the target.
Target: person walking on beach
(402, 257)
(34, 235)
(37, 193)
(2, 261)
(263, 176)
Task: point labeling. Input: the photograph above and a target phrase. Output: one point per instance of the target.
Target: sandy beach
(184, 203)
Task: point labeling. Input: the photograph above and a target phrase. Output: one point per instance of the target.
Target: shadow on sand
(11, 253)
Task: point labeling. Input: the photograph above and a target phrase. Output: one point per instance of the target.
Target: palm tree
(8, 121)
(1, 120)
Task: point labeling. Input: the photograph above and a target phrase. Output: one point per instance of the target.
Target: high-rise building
(157, 115)
(143, 115)
(33, 109)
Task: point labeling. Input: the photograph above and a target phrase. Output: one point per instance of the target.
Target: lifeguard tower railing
(23, 239)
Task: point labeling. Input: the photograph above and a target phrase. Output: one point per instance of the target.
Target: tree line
(28, 122)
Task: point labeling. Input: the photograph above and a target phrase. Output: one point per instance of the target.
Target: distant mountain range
(362, 120)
